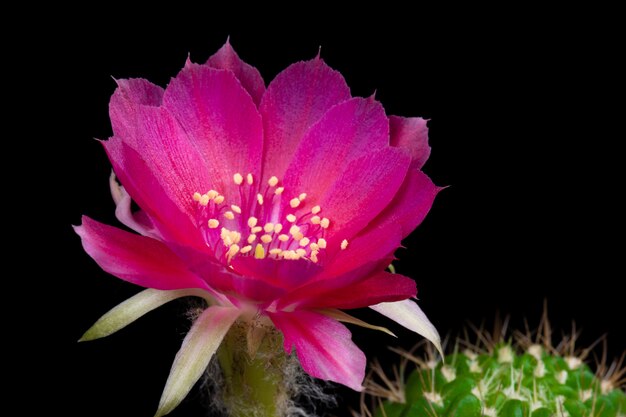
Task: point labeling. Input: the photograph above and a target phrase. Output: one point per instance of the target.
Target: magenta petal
(256, 280)
(171, 157)
(248, 287)
(346, 132)
(171, 220)
(296, 99)
(368, 254)
(134, 258)
(375, 245)
(221, 121)
(405, 212)
(127, 98)
(325, 284)
(410, 133)
(279, 273)
(410, 205)
(337, 288)
(323, 345)
(378, 288)
(362, 191)
(249, 77)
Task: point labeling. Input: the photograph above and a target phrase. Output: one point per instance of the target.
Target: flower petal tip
(160, 413)
(87, 337)
(410, 315)
(130, 310)
(115, 188)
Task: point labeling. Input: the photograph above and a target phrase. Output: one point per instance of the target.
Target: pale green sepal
(194, 356)
(133, 308)
(346, 318)
(408, 314)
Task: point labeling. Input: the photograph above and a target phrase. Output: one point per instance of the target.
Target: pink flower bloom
(285, 203)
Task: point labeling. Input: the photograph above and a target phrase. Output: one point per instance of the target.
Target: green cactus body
(506, 383)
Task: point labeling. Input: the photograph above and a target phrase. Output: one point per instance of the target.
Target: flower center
(263, 223)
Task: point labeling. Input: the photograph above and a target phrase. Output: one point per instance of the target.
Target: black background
(521, 128)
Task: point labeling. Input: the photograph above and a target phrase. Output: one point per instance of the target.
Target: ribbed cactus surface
(505, 381)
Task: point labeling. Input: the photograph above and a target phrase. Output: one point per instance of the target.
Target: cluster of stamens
(262, 224)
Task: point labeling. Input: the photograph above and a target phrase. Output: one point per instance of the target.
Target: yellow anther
(236, 209)
(252, 221)
(229, 215)
(249, 179)
(256, 229)
(279, 190)
(283, 238)
(300, 252)
(272, 181)
(197, 196)
(325, 223)
(213, 223)
(259, 198)
(344, 244)
(219, 199)
(321, 242)
(278, 227)
(246, 249)
(276, 251)
(314, 246)
(259, 252)
(304, 241)
(238, 178)
(302, 196)
(234, 236)
(232, 251)
(298, 236)
(291, 218)
(269, 227)
(294, 202)
(266, 238)
(314, 256)
(251, 238)
(293, 230)
(204, 200)
(212, 194)
(316, 209)
(289, 254)
(316, 219)
(227, 240)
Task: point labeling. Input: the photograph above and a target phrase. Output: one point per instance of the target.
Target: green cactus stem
(528, 378)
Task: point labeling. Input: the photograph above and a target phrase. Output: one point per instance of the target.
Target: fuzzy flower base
(247, 381)
(528, 378)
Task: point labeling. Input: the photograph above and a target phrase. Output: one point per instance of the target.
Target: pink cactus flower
(282, 204)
